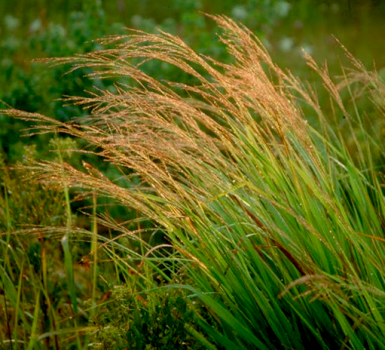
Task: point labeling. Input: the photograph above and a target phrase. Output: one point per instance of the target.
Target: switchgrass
(278, 225)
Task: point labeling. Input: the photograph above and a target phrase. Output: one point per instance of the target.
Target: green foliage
(277, 224)
(35, 87)
(274, 225)
(32, 275)
(25, 202)
(157, 320)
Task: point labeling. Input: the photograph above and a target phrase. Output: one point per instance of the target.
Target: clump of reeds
(279, 225)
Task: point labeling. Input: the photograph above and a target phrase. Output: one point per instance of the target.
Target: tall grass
(279, 225)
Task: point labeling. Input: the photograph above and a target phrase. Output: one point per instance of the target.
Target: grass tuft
(277, 225)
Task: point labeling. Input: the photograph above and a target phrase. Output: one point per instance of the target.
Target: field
(186, 191)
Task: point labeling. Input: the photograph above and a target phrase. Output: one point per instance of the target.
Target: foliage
(25, 201)
(277, 224)
(158, 320)
(33, 87)
(32, 275)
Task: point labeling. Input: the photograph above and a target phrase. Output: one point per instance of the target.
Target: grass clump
(278, 225)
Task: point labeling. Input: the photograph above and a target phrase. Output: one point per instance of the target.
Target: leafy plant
(30, 85)
(156, 320)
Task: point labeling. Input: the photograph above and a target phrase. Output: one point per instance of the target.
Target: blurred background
(52, 28)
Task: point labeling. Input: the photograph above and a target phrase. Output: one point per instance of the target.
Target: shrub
(158, 320)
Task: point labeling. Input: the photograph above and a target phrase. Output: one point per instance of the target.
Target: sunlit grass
(274, 225)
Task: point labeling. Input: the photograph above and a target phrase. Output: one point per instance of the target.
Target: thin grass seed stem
(234, 169)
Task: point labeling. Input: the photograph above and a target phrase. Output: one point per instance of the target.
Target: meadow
(224, 205)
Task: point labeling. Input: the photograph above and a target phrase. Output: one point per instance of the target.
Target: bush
(159, 320)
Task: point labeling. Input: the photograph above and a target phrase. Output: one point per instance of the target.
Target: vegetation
(253, 229)
(56, 33)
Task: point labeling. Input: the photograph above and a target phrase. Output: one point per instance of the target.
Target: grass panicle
(278, 224)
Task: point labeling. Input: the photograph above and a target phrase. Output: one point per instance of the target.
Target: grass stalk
(17, 309)
(277, 224)
(67, 252)
(34, 334)
(94, 253)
